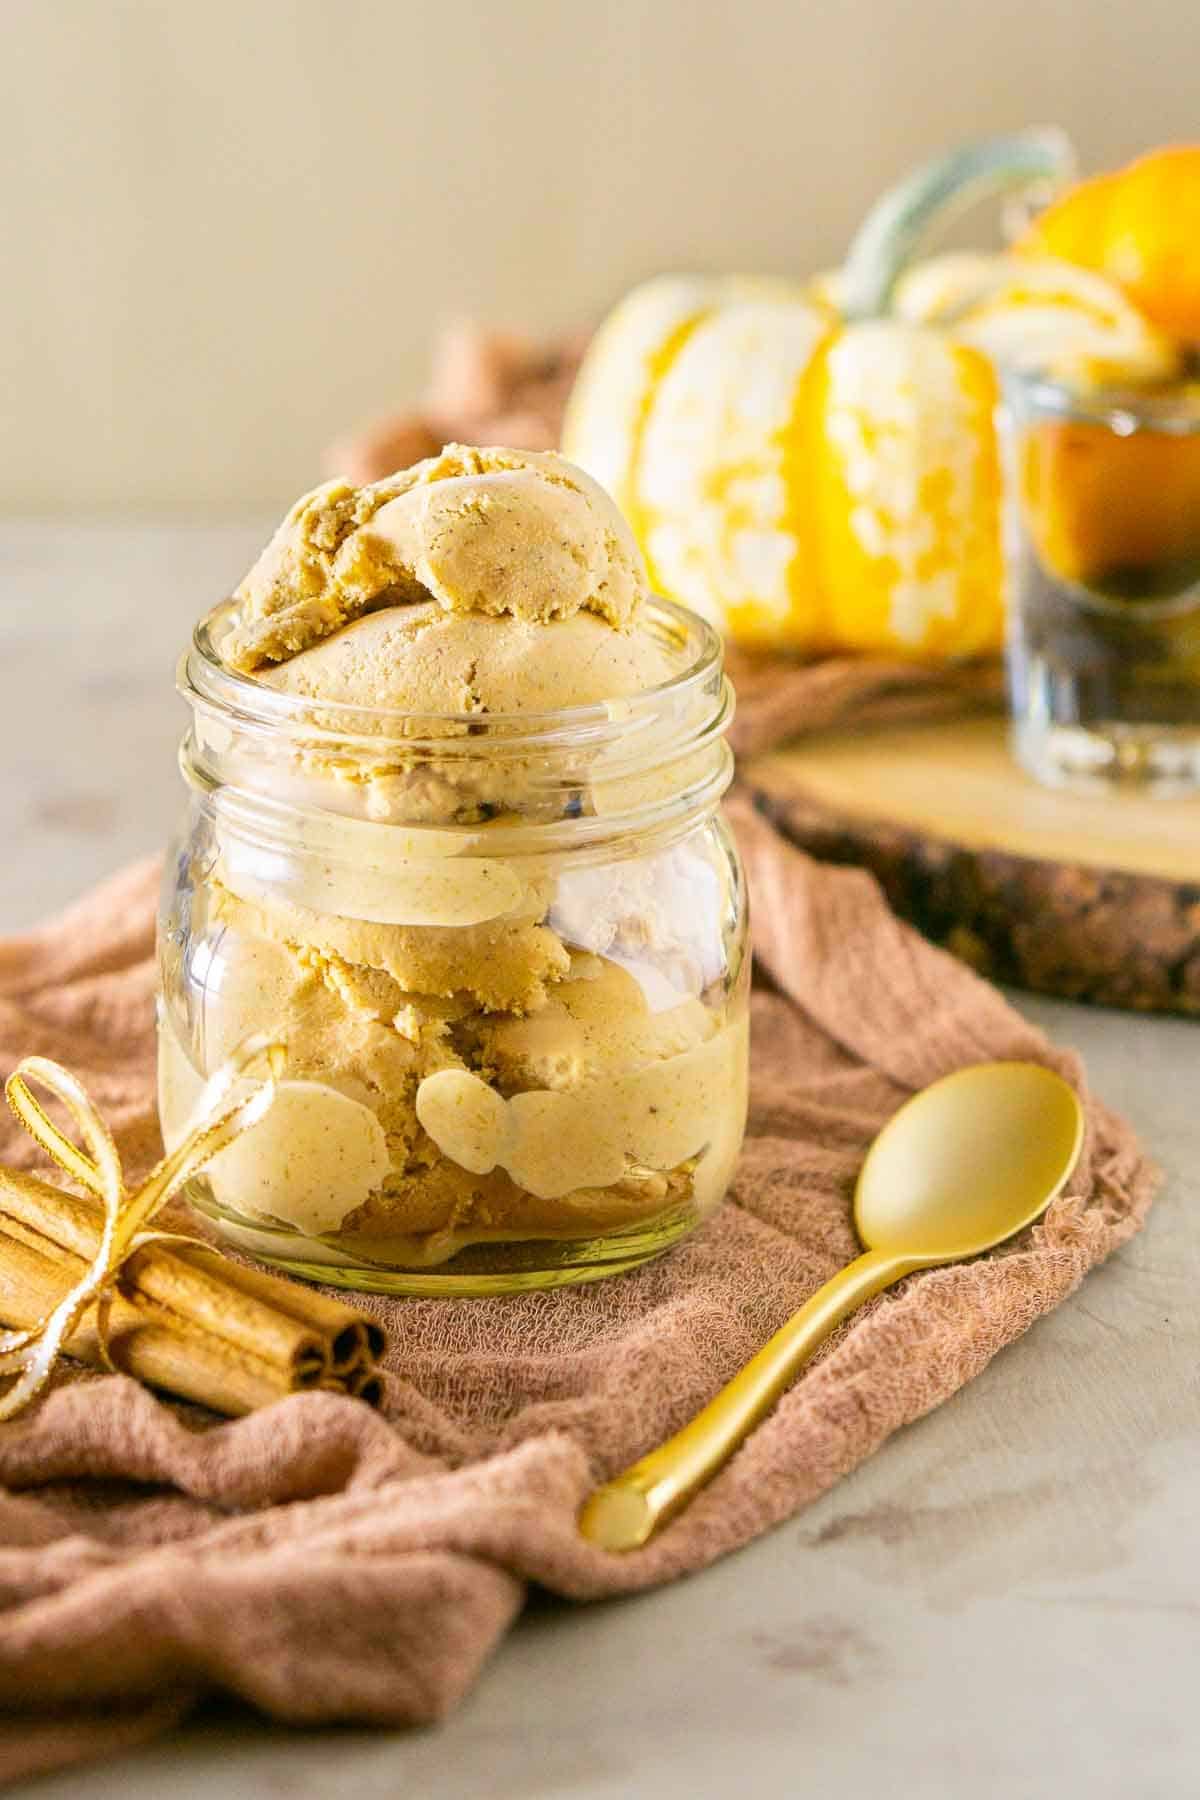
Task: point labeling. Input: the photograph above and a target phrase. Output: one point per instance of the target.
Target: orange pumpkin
(1141, 228)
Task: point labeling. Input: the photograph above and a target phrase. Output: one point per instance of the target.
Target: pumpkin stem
(890, 235)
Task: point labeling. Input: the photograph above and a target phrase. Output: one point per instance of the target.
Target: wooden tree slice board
(1088, 898)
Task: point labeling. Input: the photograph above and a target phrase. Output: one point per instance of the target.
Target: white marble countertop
(1004, 1601)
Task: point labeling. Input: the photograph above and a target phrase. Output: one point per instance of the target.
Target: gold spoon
(963, 1165)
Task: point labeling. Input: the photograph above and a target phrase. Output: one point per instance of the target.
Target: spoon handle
(626, 1511)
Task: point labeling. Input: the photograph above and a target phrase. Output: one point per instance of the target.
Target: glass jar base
(530, 1264)
(409, 1284)
(1108, 757)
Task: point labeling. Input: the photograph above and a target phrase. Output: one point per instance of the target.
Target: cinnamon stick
(366, 1384)
(155, 1347)
(346, 1330)
(191, 1319)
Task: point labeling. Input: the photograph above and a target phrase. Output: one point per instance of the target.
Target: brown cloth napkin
(496, 387)
(327, 1562)
(779, 697)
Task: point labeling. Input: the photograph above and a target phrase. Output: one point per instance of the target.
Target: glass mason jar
(506, 956)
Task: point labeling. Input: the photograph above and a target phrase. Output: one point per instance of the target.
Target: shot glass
(1102, 528)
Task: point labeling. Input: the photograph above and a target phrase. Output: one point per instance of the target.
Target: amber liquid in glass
(1104, 647)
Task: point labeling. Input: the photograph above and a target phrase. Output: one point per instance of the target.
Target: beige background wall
(231, 226)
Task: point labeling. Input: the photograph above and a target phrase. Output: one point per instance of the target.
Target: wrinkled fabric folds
(325, 1562)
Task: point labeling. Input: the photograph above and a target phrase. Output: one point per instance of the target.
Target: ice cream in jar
(453, 839)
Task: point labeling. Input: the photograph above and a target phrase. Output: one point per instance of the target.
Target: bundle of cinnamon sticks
(183, 1317)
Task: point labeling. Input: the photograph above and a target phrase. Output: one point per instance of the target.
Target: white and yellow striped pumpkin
(815, 467)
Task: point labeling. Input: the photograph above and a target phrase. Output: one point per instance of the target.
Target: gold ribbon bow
(218, 1118)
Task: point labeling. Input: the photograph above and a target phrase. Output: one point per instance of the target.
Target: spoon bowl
(962, 1166)
(968, 1162)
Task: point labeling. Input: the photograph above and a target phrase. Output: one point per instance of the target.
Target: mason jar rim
(205, 680)
(1169, 409)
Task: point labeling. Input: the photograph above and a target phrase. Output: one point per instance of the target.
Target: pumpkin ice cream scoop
(478, 583)
(496, 532)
